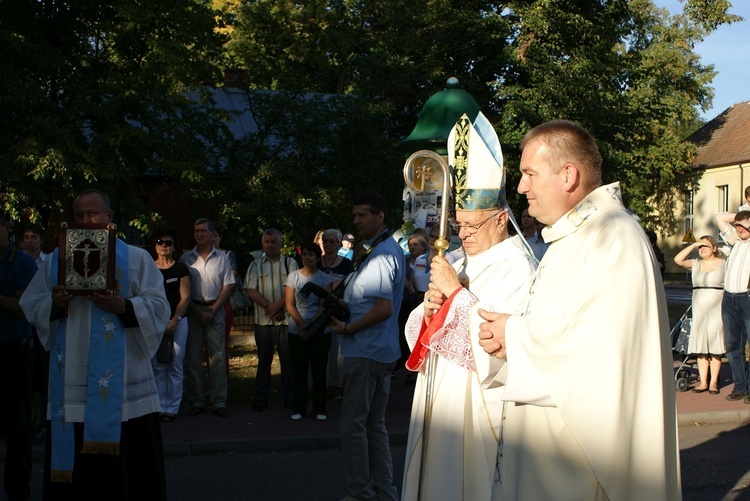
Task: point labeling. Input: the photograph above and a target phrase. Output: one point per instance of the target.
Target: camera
(331, 308)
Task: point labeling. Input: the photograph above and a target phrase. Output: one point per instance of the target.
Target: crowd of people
(499, 354)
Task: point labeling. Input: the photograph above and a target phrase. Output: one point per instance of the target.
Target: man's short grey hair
(333, 232)
(93, 191)
(204, 220)
(273, 232)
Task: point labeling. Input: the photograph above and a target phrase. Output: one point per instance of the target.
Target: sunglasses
(738, 225)
(329, 241)
(166, 243)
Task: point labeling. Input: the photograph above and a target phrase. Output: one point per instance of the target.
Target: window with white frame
(688, 206)
(722, 198)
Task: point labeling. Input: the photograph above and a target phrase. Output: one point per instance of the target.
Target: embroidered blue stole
(104, 384)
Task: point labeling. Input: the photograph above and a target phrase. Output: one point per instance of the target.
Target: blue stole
(104, 385)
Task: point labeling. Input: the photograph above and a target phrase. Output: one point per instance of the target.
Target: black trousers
(310, 354)
(137, 473)
(16, 377)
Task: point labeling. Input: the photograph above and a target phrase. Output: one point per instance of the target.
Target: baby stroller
(680, 335)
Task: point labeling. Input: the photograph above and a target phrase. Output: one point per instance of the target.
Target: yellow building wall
(706, 201)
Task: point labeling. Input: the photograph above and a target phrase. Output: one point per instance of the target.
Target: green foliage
(311, 154)
(95, 94)
(114, 93)
(626, 72)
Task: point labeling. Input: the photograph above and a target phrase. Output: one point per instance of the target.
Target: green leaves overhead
(115, 93)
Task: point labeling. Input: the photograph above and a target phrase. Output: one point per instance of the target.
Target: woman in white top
(309, 346)
(706, 332)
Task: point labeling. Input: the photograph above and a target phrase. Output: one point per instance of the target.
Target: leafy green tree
(398, 51)
(95, 93)
(386, 57)
(112, 93)
(624, 70)
(300, 170)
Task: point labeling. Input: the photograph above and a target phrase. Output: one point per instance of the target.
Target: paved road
(715, 466)
(715, 462)
(678, 294)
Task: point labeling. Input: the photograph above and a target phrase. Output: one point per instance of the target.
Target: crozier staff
(459, 440)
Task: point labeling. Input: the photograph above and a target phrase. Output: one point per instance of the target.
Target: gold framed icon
(87, 258)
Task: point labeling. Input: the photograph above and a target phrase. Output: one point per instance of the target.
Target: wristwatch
(178, 317)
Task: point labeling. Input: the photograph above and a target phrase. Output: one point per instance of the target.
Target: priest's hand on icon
(492, 333)
(60, 297)
(113, 303)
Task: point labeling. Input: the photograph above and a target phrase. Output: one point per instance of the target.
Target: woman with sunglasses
(169, 375)
(706, 340)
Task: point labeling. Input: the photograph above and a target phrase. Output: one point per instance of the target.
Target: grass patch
(243, 363)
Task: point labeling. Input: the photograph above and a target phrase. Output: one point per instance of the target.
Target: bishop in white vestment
(466, 409)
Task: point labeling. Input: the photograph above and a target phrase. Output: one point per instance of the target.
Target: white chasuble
(462, 437)
(145, 290)
(591, 411)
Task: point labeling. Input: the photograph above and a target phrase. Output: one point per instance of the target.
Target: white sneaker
(321, 417)
(296, 416)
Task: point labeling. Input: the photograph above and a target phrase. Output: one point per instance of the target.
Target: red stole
(419, 353)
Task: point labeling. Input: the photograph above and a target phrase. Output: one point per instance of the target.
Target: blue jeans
(735, 313)
(169, 377)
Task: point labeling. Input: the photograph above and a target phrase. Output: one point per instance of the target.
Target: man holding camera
(370, 348)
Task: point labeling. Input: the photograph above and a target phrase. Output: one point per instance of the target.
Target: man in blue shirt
(370, 348)
(16, 365)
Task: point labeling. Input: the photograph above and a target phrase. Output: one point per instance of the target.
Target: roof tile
(725, 140)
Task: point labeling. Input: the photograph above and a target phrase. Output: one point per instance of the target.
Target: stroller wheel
(682, 384)
(684, 374)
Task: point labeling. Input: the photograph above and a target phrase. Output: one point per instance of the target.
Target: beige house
(720, 171)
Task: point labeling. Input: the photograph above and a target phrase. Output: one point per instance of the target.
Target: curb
(713, 417)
